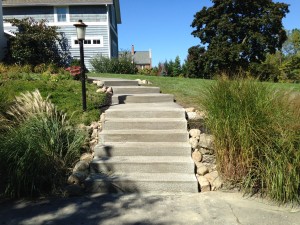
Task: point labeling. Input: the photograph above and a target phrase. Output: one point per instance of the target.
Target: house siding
(89, 13)
(89, 52)
(99, 15)
(38, 13)
(2, 38)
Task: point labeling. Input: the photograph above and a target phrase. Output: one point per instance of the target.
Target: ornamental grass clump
(257, 137)
(40, 148)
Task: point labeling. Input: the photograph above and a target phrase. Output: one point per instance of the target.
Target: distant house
(101, 16)
(142, 59)
(2, 38)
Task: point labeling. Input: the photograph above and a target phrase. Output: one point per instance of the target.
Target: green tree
(239, 32)
(177, 67)
(35, 43)
(196, 64)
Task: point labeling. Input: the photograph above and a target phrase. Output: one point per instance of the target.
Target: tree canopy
(239, 32)
(35, 43)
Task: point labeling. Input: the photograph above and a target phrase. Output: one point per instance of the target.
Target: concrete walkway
(219, 208)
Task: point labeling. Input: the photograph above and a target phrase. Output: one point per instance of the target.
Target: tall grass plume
(257, 137)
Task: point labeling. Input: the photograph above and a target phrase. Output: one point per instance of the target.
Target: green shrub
(257, 137)
(122, 65)
(37, 153)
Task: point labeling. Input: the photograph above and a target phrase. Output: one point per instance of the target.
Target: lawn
(65, 94)
(187, 91)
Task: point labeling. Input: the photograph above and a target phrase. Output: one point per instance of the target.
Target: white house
(2, 37)
(101, 16)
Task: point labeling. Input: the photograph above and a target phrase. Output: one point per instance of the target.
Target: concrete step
(111, 149)
(143, 136)
(161, 110)
(145, 123)
(142, 98)
(110, 83)
(142, 182)
(135, 89)
(143, 164)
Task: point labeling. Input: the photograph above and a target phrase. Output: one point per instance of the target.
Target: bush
(38, 151)
(257, 137)
(122, 65)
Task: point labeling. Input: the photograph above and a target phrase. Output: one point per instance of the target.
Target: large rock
(201, 169)
(197, 156)
(193, 116)
(194, 142)
(206, 151)
(77, 178)
(100, 83)
(195, 133)
(81, 166)
(191, 109)
(88, 157)
(214, 180)
(206, 141)
(204, 183)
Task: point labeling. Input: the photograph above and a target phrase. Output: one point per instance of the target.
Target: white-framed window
(61, 14)
(90, 41)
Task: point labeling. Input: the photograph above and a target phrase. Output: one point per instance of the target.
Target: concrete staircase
(144, 145)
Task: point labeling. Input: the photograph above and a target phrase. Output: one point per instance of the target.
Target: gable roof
(141, 57)
(11, 3)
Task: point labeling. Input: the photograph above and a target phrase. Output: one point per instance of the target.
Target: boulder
(204, 184)
(206, 141)
(214, 180)
(88, 157)
(139, 81)
(210, 159)
(201, 169)
(100, 90)
(109, 90)
(192, 116)
(94, 125)
(81, 166)
(94, 134)
(100, 83)
(195, 133)
(197, 156)
(191, 109)
(77, 178)
(206, 151)
(194, 142)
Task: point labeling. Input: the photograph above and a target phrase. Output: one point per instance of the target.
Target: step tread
(157, 106)
(143, 95)
(145, 120)
(144, 159)
(163, 177)
(149, 144)
(138, 131)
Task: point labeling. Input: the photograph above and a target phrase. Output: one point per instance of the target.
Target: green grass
(187, 91)
(257, 137)
(38, 149)
(65, 94)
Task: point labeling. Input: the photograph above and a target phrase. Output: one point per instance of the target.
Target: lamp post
(80, 29)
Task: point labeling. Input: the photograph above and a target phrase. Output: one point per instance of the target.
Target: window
(89, 41)
(61, 14)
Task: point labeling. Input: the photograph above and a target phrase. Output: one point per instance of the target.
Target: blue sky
(164, 25)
